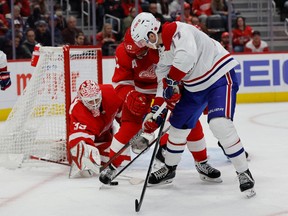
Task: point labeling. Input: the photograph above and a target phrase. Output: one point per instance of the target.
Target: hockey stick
(104, 166)
(138, 155)
(47, 160)
(139, 203)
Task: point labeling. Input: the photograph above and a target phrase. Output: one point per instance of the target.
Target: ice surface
(263, 128)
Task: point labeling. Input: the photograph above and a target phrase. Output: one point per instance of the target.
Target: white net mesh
(36, 125)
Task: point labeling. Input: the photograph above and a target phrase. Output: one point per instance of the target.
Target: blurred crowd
(33, 21)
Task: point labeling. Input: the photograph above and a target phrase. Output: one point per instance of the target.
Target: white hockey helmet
(90, 94)
(142, 24)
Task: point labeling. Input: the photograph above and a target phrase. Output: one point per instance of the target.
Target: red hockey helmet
(90, 94)
(131, 48)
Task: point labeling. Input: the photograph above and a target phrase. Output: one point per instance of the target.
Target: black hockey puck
(114, 183)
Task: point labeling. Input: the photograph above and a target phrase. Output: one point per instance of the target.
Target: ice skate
(163, 175)
(107, 175)
(246, 183)
(160, 157)
(207, 172)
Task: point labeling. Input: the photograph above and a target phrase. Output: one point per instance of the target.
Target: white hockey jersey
(191, 51)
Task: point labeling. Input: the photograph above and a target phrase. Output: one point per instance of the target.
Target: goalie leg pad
(86, 157)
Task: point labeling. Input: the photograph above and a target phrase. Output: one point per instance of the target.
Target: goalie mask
(90, 94)
(143, 24)
(131, 48)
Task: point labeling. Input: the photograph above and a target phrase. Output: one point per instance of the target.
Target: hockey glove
(171, 92)
(136, 103)
(86, 156)
(5, 81)
(150, 124)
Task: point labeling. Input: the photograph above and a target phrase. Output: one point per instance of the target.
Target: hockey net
(38, 123)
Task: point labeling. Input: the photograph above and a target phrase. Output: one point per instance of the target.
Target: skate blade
(249, 193)
(169, 181)
(207, 179)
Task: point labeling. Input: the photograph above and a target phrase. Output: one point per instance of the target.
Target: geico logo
(262, 72)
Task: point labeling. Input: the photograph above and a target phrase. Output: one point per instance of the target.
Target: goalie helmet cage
(38, 124)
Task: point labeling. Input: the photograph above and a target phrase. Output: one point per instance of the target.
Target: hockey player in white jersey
(204, 69)
(5, 80)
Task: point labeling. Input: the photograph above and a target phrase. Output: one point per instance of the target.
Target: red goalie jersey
(94, 131)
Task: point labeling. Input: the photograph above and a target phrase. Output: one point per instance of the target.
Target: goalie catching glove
(136, 102)
(171, 92)
(150, 124)
(5, 81)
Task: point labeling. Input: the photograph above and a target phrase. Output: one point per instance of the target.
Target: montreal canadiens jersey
(191, 51)
(84, 126)
(136, 73)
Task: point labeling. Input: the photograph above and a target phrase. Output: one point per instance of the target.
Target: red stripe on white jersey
(228, 95)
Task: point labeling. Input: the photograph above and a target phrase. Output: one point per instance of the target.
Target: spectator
(69, 33)
(17, 16)
(115, 8)
(153, 10)
(17, 29)
(225, 40)
(105, 38)
(30, 41)
(21, 53)
(3, 25)
(256, 44)
(220, 7)
(202, 9)
(80, 39)
(43, 35)
(24, 6)
(187, 14)
(163, 9)
(43, 7)
(126, 22)
(5, 7)
(196, 22)
(58, 40)
(62, 23)
(241, 34)
(174, 8)
(34, 17)
(127, 4)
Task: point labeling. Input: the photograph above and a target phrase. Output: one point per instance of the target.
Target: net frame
(68, 55)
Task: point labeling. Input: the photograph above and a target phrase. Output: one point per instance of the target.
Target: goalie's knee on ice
(224, 130)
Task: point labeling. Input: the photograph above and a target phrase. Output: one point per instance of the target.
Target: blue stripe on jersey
(236, 153)
(175, 151)
(200, 82)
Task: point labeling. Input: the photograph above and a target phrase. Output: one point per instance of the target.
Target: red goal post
(38, 124)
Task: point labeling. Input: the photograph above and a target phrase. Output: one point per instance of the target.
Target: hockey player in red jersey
(91, 113)
(135, 82)
(195, 72)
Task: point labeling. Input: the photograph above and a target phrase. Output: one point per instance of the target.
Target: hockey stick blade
(137, 205)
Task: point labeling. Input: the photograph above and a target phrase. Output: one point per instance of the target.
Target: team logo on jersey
(149, 73)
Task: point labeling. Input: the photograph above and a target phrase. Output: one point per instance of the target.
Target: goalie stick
(139, 203)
